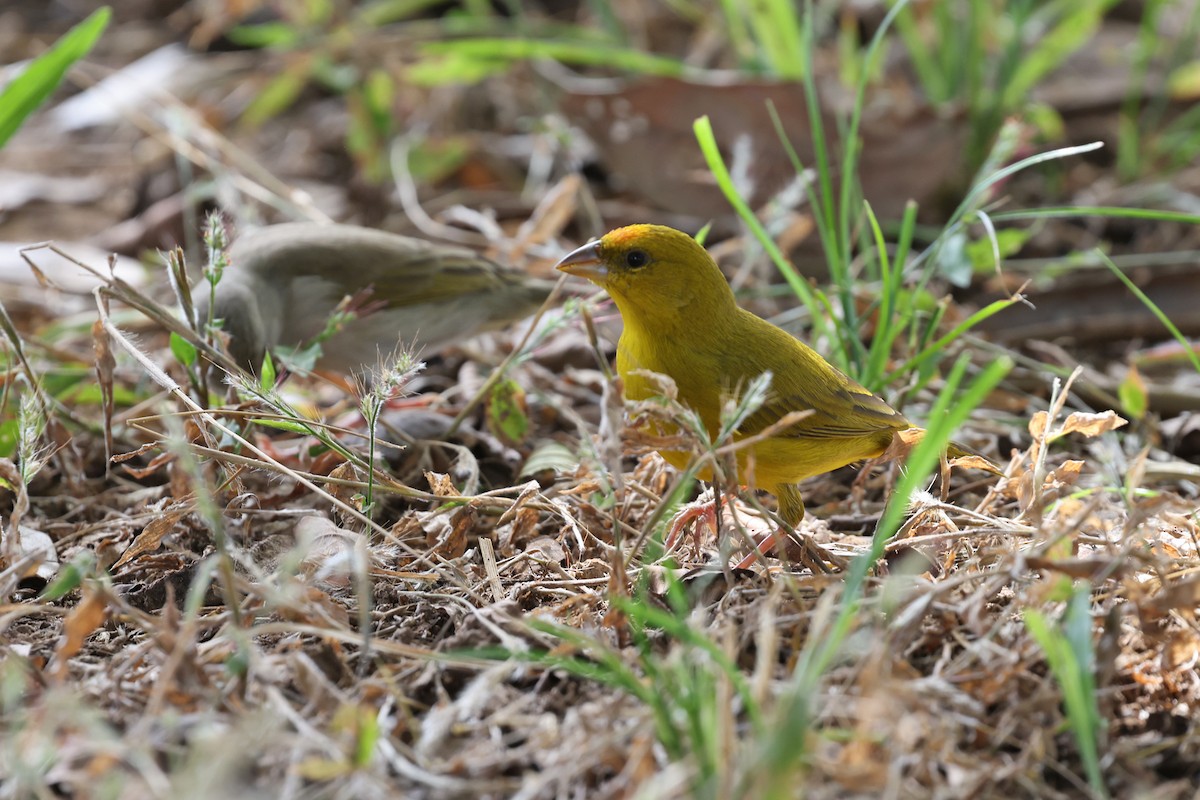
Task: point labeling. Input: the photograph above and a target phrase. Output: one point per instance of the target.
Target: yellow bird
(681, 320)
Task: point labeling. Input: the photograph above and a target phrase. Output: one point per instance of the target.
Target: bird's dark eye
(636, 258)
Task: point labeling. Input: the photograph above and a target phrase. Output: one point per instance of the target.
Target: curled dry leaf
(151, 536)
(83, 620)
(520, 529)
(344, 472)
(973, 462)
(455, 543)
(1066, 474)
(1037, 424)
(1092, 424)
(440, 484)
(1182, 651)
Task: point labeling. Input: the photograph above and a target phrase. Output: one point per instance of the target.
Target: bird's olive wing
(839, 411)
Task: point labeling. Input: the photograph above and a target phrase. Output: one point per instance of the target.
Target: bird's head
(654, 273)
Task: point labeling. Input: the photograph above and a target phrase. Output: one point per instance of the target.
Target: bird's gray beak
(585, 262)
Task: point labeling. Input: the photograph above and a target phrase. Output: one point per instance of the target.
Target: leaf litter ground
(234, 632)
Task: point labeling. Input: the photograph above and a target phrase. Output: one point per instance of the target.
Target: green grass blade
(716, 165)
(939, 346)
(1070, 654)
(784, 746)
(1154, 309)
(1058, 212)
(593, 54)
(39, 80)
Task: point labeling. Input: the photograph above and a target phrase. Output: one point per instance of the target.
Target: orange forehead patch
(622, 237)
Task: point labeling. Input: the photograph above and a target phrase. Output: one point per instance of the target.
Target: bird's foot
(698, 514)
(796, 548)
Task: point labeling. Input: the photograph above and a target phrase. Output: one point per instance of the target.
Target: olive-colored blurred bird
(681, 320)
(284, 281)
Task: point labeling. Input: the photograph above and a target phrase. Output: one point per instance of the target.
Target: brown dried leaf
(151, 536)
(1066, 474)
(514, 535)
(1091, 424)
(441, 485)
(973, 462)
(545, 548)
(317, 608)
(1182, 651)
(1179, 596)
(140, 473)
(344, 472)
(453, 542)
(1037, 424)
(80, 623)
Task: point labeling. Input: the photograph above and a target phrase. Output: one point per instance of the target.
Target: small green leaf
(183, 350)
(278, 95)
(1134, 397)
(8, 439)
(279, 35)
(454, 68)
(284, 425)
(368, 737)
(301, 360)
(1010, 241)
(507, 412)
(433, 160)
(1184, 83)
(266, 377)
(238, 662)
(69, 578)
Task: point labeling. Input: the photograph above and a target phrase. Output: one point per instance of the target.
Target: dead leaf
(151, 536)
(1178, 596)
(454, 543)
(441, 485)
(80, 623)
(1182, 651)
(344, 472)
(1066, 474)
(1037, 424)
(973, 462)
(521, 529)
(1091, 424)
(544, 548)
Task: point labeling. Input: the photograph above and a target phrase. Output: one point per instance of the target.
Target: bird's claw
(802, 550)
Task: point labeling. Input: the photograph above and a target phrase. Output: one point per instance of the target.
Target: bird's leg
(806, 551)
(709, 513)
